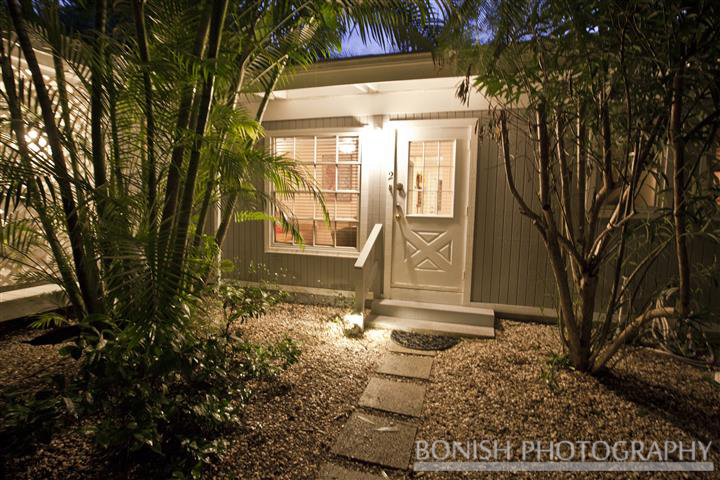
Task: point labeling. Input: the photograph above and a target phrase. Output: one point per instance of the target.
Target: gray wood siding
(509, 261)
(510, 265)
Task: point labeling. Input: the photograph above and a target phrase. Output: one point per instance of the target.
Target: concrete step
(434, 312)
(30, 301)
(430, 327)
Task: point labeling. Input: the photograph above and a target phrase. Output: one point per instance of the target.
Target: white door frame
(394, 126)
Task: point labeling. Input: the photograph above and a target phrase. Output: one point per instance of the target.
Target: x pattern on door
(428, 251)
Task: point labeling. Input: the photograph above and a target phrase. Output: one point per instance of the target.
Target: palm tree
(117, 146)
(141, 134)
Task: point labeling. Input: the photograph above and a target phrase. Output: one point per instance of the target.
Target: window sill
(314, 251)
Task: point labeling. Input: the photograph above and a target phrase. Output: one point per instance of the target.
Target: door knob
(400, 187)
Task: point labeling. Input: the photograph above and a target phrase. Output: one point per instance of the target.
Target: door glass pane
(431, 178)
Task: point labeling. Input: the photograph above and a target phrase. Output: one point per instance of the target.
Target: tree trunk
(226, 216)
(174, 179)
(151, 179)
(96, 108)
(552, 241)
(678, 148)
(86, 268)
(18, 127)
(180, 245)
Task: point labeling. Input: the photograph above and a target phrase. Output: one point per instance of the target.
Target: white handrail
(366, 267)
(369, 246)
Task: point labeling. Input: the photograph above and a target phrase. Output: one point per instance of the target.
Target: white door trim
(393, 126)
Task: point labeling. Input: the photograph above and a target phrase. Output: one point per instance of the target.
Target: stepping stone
(396, 397)
(333, 472)
(378, 440)
(394, 347)
(406, 366)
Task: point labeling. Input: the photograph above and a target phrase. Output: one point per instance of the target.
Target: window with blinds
(333, 163)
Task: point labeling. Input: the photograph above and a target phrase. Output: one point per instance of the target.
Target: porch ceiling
(368, 88)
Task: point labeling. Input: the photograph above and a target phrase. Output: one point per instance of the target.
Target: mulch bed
(479, 389)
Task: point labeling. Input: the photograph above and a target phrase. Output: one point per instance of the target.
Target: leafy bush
(245, 302)
(177, 394)
(28, 419)
(156, 390)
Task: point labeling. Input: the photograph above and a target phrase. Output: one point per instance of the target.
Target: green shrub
(554, 363)
(156, 390)
(28, 419)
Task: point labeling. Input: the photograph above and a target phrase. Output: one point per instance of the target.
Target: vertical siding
(509, 261)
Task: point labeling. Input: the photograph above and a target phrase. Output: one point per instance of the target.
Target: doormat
(419, 341)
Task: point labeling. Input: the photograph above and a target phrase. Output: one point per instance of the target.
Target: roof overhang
(370, 69)
(376, 85)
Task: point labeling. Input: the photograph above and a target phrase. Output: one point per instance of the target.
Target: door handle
(400, 187)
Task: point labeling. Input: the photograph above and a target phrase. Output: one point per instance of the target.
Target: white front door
(430, 214)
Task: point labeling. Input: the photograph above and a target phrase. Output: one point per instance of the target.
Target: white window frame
(320, 250)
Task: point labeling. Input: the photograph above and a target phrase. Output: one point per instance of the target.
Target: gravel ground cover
(479, 390)
(495, 390)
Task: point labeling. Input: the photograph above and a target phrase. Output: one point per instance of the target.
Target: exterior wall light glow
(354, 323)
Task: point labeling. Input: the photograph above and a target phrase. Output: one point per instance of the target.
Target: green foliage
(174, 403)
(152, 391)
(555, 363)
(28, 419)
(117, 156)
(242, 303)
(609, 111)
(48, 320)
